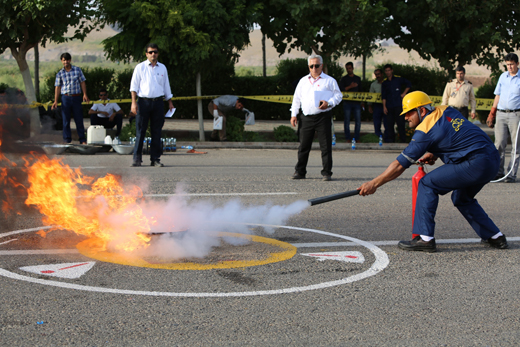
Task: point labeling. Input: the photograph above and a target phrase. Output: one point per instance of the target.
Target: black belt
(153, 99)
(509, 111)
(460, 108)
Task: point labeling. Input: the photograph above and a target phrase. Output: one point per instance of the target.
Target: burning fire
(97, 208)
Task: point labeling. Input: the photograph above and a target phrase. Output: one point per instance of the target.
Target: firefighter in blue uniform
(470, 162)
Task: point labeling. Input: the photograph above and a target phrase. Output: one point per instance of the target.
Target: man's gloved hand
(491, 118)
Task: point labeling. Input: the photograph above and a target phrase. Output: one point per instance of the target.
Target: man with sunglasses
(108, 114)
(316, 94)
(151, 84)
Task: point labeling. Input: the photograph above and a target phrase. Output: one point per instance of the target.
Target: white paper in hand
(215, 114)
(170, 113)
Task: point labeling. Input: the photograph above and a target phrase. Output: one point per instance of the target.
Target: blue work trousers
(378, 115)
(348, 109)
(465, 179)
(71, 107)
(149, 110)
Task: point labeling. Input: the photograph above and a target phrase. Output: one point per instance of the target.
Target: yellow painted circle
(93, 248)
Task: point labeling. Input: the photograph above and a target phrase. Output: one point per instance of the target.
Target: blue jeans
(151, 110)
(378, 117)
(465, 179)
(71, 106)
(348, 108)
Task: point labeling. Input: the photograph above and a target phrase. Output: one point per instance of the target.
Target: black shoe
(297, 176)
(510, 180)
(326, 178)
(500, 242)
(497, 177)
(417, 244)
(136, 163)
(156, 163)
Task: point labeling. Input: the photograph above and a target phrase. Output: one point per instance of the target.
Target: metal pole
(199, 108)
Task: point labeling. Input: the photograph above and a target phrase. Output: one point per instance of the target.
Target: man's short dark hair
(349, 63)
(376, 70)
(151, 45)
(102, 90)
(388, 66)
(511, 57)
(67, 56)
(242, 100)
(460, 68)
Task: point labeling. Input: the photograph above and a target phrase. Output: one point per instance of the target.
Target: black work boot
(500, 242)
(417, 244)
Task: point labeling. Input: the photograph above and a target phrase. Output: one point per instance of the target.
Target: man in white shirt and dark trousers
(316, 93)
(151, 84)
(108, 114)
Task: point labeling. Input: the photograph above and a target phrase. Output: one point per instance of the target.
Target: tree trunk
(364, 66)
(264, 69)
(199, 107)
(29, 88)
(36, 72)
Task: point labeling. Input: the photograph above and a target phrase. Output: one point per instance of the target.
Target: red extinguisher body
(415, 186)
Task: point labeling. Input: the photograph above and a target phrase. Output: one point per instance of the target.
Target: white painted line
(224, 194)
(347, 257)
(3, 243)
(380, 263)
(386, 243)
(16, 232)
(39, 251)
(64, 270)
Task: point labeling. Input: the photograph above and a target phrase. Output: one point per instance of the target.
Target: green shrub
(486, 91)
(283, 133)
(128, 131)
(234, 129)
(370, 138)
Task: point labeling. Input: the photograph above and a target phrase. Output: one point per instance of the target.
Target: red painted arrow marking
(64, 268)
(332, 255)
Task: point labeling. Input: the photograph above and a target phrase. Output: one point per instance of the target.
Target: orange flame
(92, 207)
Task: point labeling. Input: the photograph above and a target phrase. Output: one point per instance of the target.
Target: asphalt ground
(464, 295)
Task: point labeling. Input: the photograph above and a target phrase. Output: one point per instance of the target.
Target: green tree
(192, 36)
(329, 28)
(26, 23)
(456, 32)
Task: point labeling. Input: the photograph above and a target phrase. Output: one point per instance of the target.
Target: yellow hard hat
(414, 100)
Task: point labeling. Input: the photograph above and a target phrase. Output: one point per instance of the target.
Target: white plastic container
(96, 134)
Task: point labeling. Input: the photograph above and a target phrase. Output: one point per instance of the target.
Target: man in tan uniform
(459, 93)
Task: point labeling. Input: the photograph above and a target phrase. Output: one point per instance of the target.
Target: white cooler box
(96, 134)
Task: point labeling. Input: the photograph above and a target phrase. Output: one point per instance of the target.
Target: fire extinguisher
(415, 186)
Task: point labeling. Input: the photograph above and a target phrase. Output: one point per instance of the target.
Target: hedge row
(431, 81)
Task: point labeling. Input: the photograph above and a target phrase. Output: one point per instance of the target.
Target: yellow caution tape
(482, 104)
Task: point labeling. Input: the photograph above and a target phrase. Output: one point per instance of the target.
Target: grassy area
(10, 73)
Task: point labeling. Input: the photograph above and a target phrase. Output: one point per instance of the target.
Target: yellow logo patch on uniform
(456, 123)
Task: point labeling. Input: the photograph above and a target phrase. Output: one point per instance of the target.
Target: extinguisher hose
(513, 157)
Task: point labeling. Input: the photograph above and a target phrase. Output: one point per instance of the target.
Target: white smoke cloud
(200, 222)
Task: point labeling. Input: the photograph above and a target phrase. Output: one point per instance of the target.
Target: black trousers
(320, 124)
(463, 110)
(150, 110)
(106, 123)
(394, 117)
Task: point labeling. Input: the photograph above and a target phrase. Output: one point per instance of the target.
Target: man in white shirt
(151, 84)
(316, 93)
(108, 114)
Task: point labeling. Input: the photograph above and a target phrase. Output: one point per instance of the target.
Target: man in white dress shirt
(316, 93)
(151, 84)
